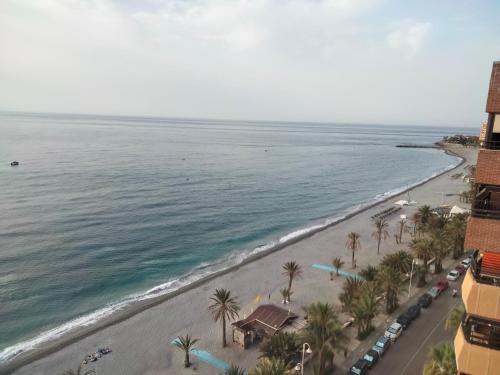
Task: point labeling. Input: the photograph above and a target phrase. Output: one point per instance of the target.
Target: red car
(442, 285)
(460, 269)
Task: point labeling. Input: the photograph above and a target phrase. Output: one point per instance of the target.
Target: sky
(352, 61)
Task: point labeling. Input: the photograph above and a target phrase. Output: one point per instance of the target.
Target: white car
(394, 331)
(466, 262)
(453, 275)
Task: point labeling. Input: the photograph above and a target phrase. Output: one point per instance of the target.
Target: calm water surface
(105, 211)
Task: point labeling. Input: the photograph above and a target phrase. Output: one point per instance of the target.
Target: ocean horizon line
(200, 120)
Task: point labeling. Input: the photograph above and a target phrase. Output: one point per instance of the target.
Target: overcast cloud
(369, 61)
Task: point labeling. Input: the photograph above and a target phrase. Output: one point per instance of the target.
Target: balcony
(487, 202)
(482, 332)
(481, 286)
(473, 350)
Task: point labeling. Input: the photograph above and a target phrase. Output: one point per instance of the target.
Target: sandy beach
(141, 343)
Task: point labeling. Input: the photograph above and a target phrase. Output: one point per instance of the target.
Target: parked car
(434, 292)
(466, 262)
(404, 320)
(382, 345)
(460, 269)
(413, 311)
(425, 300)
(371, 357)
(394, 331)
(359, 368)
(442, 285)
(453, 275)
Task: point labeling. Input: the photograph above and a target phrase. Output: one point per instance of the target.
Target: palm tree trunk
(353, 265)
(186, 359)
(378, 245)
(224, 331)
(321, 364)
(289, 286)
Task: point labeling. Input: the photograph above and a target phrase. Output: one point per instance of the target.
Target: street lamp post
(306, 348)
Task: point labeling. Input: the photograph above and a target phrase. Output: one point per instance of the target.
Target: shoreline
(136, 308)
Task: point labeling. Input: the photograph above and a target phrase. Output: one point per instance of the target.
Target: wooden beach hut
(265, 320)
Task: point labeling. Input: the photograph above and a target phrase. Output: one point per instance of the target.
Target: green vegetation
(284, 346)
(291, 270)
(364, 308)
(235, 370)
(381, 232)
(369, 273)
(186, 343)
(269, 366)
(224, 307)
(400, 261)
(324, 333)
(353, 244)
(455, 317)
(464, 140)
(441, 360)
(389, 280)
(337, 263)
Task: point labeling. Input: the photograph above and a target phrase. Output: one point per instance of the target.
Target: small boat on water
(14, 163)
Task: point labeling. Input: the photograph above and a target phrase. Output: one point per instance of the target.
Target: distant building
(477, 343)
(482, 132)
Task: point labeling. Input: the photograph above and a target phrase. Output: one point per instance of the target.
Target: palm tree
(78, 371)
(337, 263)
(454, 317)
(224, 307)
(350, 291)
(291, 270)
(402, 225)
(364, 309)
(235, 370)
(439, 221)
(185, 343)
(381, 232)
(455, 230)
(269, 366)
(422, 218)
(389, 279)
(369, 273)
(353, 244)
(423, 250)
(440, 249)
(324, 333)
(441, 360)
(400, 261)
(284, 346)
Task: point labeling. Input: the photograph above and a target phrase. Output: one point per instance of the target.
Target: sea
(105, 211)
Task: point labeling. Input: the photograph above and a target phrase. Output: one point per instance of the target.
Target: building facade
(477, 343)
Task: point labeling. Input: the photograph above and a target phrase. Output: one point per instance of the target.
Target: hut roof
(268, 318)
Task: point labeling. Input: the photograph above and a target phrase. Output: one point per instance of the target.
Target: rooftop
(269, 318)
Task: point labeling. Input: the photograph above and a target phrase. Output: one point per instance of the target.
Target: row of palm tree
(361, 296)
(438, 236)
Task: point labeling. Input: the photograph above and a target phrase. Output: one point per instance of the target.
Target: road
(408, 355)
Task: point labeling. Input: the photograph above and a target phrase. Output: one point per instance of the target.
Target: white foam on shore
(201, 271)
